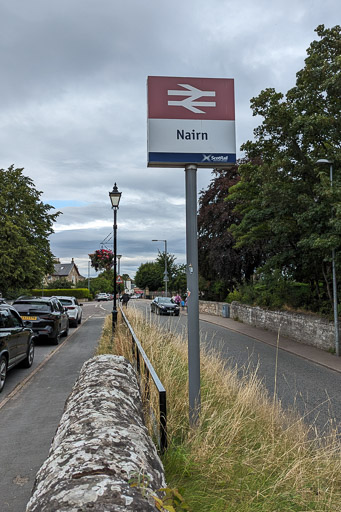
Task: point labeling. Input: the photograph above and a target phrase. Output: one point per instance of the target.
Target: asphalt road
(30, 412)
(301, 385)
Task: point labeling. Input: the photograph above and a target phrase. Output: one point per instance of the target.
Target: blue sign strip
(205, 159)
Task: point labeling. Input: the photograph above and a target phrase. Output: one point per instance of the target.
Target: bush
(79, 293)
(275, 293)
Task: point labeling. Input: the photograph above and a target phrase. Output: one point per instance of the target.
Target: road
(301, 385)
(32, 404)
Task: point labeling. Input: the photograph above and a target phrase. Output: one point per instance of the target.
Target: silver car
(73, 309)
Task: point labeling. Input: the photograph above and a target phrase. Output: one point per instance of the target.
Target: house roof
(64, 269)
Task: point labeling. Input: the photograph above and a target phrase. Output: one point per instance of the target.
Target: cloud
(73, 101)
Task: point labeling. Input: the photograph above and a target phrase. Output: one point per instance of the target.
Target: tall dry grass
(246, 453)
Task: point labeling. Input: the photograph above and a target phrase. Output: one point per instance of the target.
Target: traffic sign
(119, 280)
(191, 121)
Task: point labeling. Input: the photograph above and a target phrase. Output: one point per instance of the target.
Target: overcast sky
(74, 109)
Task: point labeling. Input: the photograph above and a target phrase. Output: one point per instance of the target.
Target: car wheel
(56, 339)
(80, 319)
(28, 361)
(3, 372)
(66, 332)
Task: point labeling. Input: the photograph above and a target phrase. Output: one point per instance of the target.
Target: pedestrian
(182, 304)
(125, 299)
(177, 299)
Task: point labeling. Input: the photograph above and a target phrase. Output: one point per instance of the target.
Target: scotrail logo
(190, 102)
(215, 158)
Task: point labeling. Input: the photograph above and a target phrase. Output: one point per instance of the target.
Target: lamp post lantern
(166, 272)
(336, 319)
(115, 197)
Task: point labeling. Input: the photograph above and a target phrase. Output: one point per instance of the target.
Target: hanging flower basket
(102, 259)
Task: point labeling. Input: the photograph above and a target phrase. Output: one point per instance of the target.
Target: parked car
(164, 306)
(73, 309)
(102, 296)
(16, 342)
(45, 315)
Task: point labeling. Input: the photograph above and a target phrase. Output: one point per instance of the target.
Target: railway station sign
(191, 121)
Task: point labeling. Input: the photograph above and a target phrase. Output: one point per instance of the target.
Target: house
(67, 271)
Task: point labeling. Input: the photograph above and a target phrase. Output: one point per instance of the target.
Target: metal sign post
(193, 295)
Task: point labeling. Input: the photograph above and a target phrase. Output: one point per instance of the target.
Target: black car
(164, 306)
(16, 342)
(45, 315)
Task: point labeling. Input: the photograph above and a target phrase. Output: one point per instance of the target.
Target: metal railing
(149, 373)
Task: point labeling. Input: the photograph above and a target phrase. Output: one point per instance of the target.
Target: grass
(246, 454)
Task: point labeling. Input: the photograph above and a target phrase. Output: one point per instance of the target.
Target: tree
(25, 255)
(285, 199)
(179, 279)
(104, 282)
(149, 275)
(152, 274)
(222, 265)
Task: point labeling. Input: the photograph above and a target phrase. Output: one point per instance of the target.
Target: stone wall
(304, 328)
(101, 447)
(211, 308)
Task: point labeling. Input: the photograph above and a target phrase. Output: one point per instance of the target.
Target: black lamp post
(115, 197)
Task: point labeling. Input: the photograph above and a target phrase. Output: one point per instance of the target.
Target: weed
(246, 454)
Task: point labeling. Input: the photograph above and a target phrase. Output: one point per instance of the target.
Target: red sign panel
(190, 98)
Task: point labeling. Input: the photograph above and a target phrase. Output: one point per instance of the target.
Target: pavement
(308, 352)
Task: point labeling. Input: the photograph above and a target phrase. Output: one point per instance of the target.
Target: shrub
(79, 293)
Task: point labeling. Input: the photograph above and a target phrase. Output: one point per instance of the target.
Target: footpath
(302, 350)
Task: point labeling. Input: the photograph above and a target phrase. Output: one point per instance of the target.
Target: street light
(166, 273)
(336, 320)
(115, 197)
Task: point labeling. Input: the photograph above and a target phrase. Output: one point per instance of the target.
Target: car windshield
(66, 302)
(166, 300)
(32, 305)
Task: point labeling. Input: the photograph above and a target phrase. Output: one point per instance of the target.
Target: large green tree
(25, 225)
(152, 274)
(149, 275)
(221, 265)
(286, 200)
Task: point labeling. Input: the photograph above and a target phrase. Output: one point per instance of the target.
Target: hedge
(79, 293)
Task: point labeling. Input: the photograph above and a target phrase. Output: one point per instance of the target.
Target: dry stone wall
(211, 308)
(303, 328)
(308, 329)
(101, 447)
